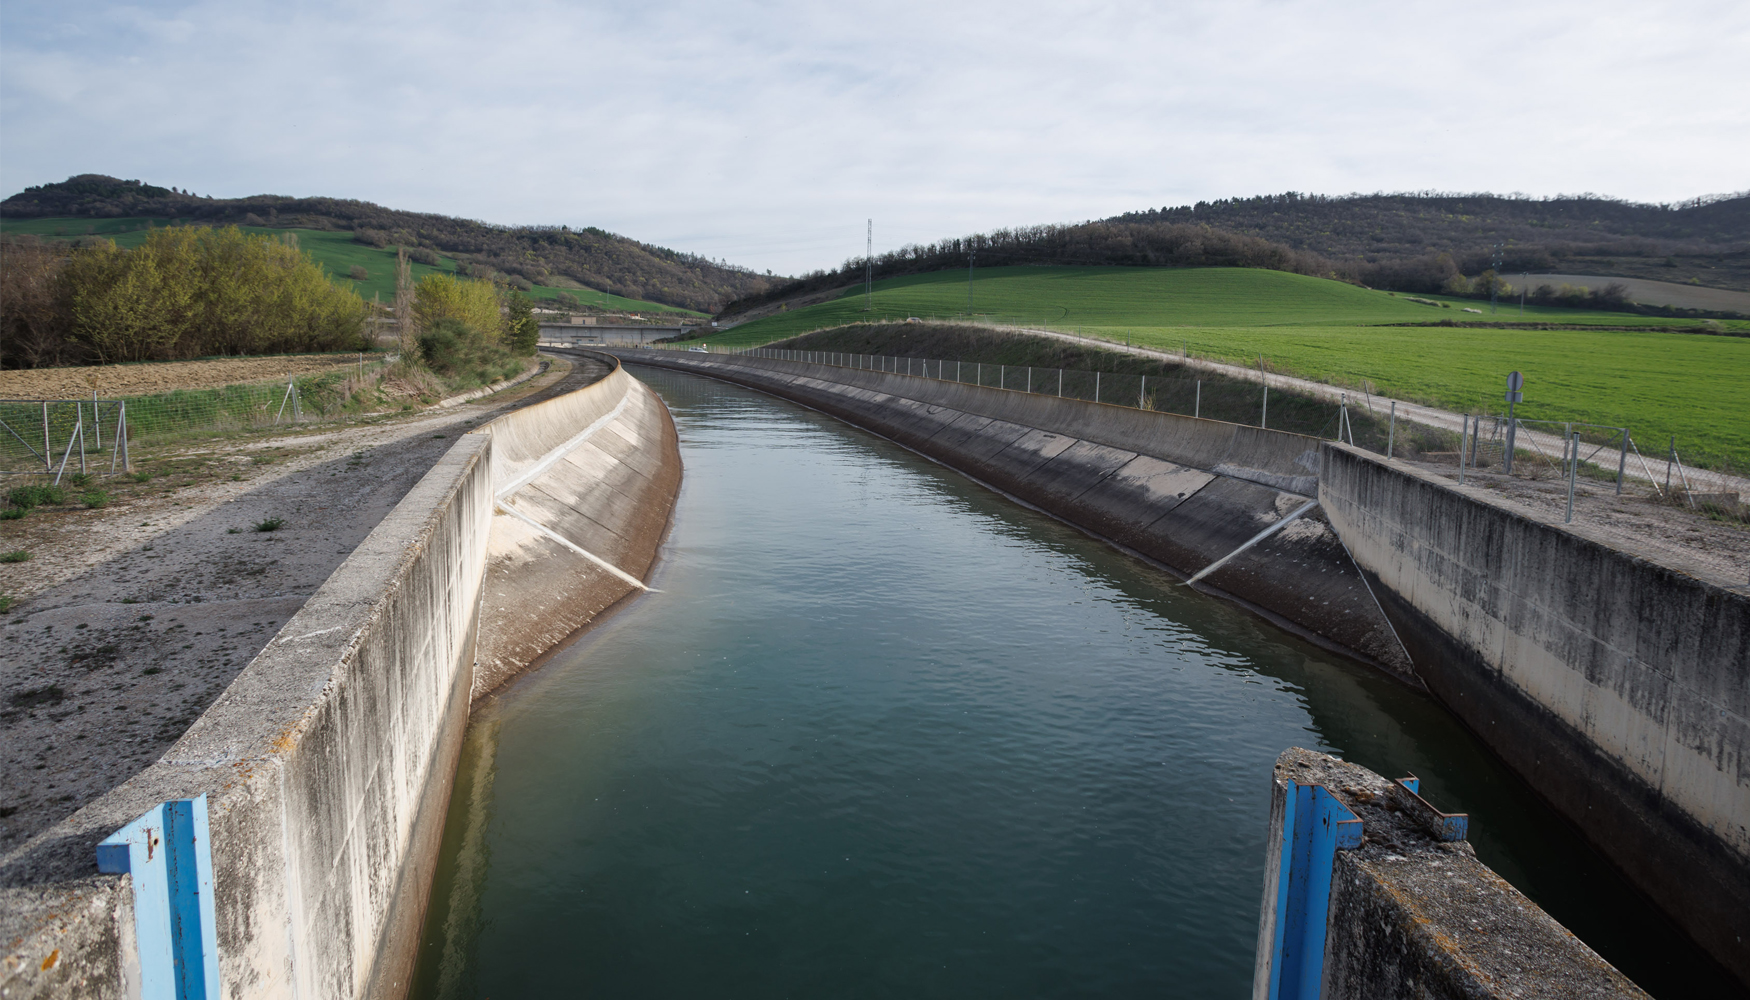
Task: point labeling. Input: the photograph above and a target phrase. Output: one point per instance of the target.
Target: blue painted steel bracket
(1315, 825)
(1446, 827)
(169, 854)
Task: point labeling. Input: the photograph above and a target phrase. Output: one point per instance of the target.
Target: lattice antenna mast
(869, 269)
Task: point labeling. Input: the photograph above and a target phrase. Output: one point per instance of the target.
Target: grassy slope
(334, 250)
(1659, 384)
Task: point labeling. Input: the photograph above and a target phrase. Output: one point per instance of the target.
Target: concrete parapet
(1181, 491)
(1407, 909)
(1616, 684)
(327, 766)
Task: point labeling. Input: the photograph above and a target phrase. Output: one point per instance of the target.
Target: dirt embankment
(131, 619)
(110, 381)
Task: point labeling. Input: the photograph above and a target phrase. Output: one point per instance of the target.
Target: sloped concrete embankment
(585, 484)
(1181, 491)
(1617, 684)
(1407, 911)
(328, 762)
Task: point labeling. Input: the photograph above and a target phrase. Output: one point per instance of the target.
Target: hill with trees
(1398, 240)
(1423, 243)
(542, 255)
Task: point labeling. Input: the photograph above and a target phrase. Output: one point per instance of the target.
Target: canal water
(884, 733)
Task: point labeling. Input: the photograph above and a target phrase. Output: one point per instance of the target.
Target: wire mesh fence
(1528, 449)
(54, 437)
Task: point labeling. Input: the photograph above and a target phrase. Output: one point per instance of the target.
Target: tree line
(184, 293)
(1094, 243)
(194, 291)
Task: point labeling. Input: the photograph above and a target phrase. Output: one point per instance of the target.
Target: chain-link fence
(55, 437)
(1528, 449)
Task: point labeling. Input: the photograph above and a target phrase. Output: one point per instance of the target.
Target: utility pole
(869, 269)
(1494, 277)
(971, 262)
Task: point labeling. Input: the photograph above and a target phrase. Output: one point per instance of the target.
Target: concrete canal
(883, 732)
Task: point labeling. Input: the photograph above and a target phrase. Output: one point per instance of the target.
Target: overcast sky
(765, 134)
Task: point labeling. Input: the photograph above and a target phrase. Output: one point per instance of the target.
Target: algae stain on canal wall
(885, 733)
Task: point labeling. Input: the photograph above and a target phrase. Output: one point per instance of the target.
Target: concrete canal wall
(1398, 905)
(327, 763)
(1181, 491)
(1619, 686)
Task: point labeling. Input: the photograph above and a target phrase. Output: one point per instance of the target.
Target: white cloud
(766, 133)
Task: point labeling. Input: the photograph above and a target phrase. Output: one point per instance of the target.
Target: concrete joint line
(552, 457)
(1260, 536)
(568, 543)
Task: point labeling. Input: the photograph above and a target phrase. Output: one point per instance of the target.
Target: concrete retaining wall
(328, 762)
(1410, 915)
(1181, 491)
(1617, 685)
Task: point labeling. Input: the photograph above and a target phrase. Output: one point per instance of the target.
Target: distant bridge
(589, 335)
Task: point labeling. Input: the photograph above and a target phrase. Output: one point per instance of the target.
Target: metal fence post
(1391, 433)
(1029, 378)
(1141, 392)
(1463, 439)
(1096, 387)
(1573, 472)
(1060, 383)
(1670, 456)
(49, 454)
(96, 421)
(1197, 407)
(1622, 462)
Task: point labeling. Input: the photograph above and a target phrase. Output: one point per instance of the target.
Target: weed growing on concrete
(15, 556)
(271, 524)
(80, 479)
(233, 531)
(6, 604)
(13, 513)
(96, 499)
(141, 477)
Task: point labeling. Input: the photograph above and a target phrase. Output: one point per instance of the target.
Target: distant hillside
(540, 255)
(1376, 236)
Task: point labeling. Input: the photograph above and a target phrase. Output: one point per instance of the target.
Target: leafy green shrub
(80, 479)
(271, 524)
(463, 357)
(96, 499)
(141, 477)
(13, 513)
(15, 556)
(36, 496)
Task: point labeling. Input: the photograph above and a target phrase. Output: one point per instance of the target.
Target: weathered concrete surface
(600, 467)
(1411, 916)
(327, 763)
(1617, 684)
(1181, 491)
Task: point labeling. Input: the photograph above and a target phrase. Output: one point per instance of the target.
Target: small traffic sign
(1515, 381)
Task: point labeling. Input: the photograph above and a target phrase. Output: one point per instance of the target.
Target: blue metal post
(168, 853)
(1315, 825)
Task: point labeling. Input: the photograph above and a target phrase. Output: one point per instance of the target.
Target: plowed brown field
(160, 376)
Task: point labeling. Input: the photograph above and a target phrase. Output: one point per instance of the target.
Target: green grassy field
(334, 250)
(1659, 384)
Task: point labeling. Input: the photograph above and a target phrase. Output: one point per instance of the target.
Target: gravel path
(135, 617)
